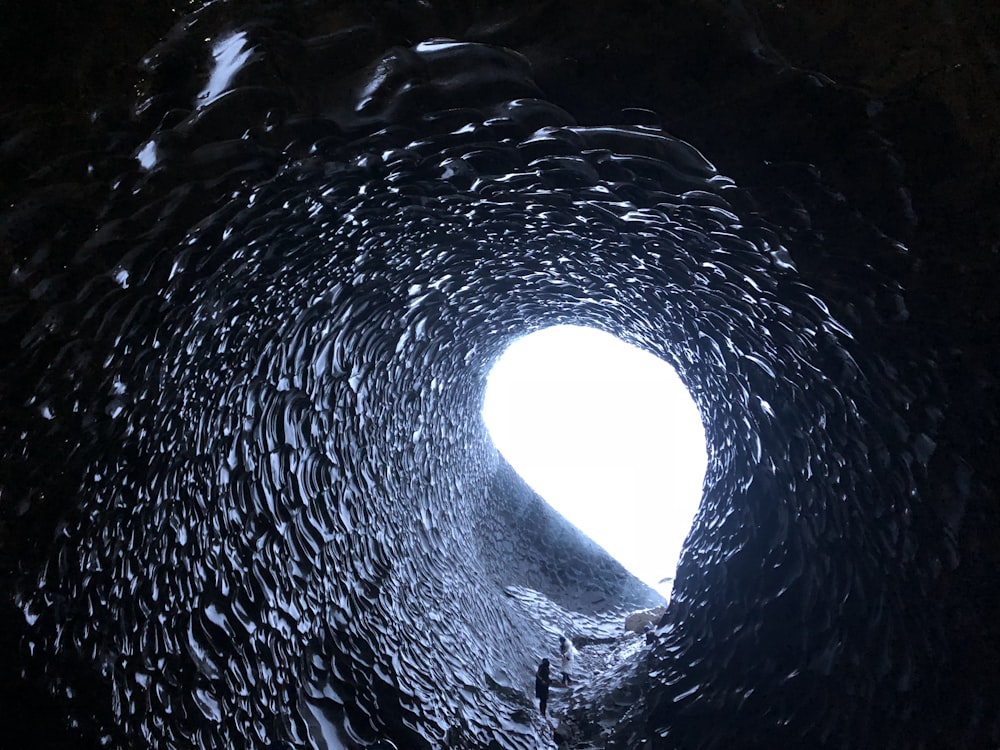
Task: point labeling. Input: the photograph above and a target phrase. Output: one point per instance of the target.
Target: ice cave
(259, 260)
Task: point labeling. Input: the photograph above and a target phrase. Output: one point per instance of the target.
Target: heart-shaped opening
(609, 436)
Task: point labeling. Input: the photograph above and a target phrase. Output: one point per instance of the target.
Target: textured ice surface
(261, 384)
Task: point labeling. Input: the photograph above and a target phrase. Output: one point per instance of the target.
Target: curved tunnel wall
(283, 517)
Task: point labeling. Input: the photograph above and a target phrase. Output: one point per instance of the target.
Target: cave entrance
(608, 435)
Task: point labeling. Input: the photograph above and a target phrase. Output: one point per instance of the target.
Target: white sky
(608, 435)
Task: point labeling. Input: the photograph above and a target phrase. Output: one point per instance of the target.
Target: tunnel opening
(609, 436)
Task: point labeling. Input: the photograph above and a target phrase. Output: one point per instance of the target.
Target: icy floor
(609, 669)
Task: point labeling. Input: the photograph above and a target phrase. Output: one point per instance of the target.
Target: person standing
(543, 679)
(567, 653)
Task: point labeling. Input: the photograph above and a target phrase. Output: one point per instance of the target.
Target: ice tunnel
(252, 295)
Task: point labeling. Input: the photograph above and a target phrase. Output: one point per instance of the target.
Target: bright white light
(608, 435)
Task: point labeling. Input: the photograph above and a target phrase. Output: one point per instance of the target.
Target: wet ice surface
(291, 526)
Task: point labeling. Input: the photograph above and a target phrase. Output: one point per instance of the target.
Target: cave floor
(603, 683)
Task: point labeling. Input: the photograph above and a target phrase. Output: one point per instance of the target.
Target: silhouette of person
(567, 652)
(542, 681)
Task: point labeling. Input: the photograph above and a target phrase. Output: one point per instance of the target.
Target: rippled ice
(287, 523)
